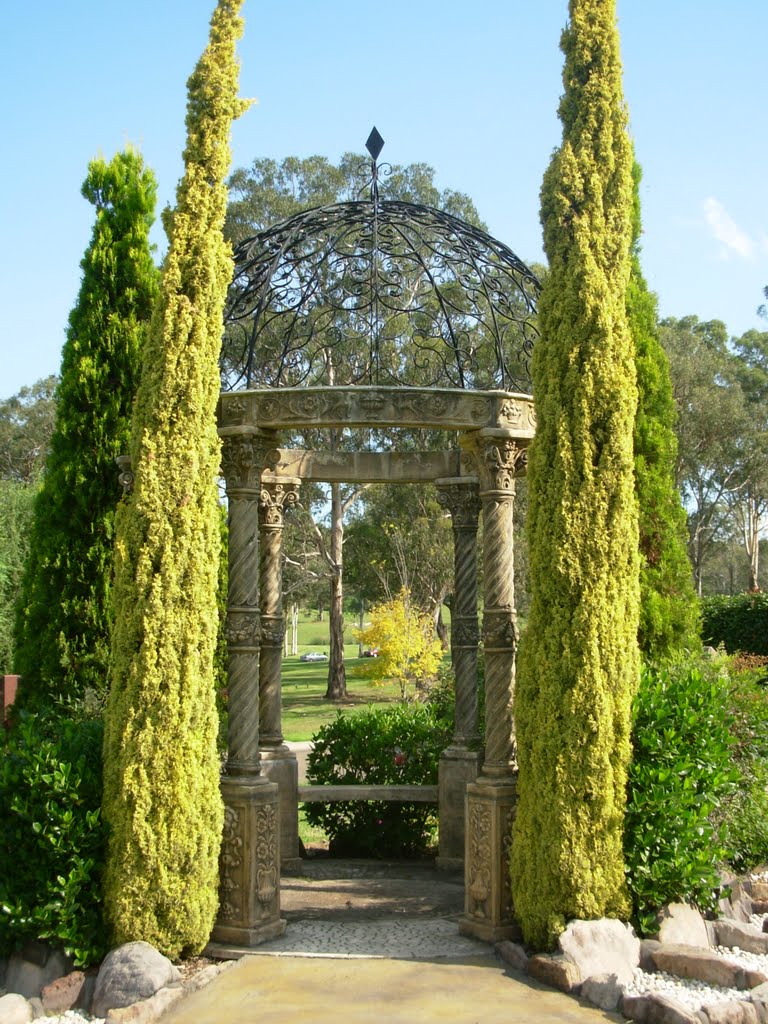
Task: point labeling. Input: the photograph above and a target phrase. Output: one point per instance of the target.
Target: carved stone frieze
(272, 637)
(267, 866)
(231, 883)
(499, 629)
(479, 877)
(464, 634)
(243, 629)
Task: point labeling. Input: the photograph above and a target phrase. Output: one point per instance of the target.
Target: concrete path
(376, 942)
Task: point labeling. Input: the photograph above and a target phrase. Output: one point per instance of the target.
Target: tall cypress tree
(578, 661)
(161, 768)
(669, 611)
(63, 613)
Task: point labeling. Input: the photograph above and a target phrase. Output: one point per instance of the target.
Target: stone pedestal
(488, 896)
(279, 765)
(249, 888)
(458, 768)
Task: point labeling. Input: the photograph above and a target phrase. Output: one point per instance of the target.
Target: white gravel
(73, 1017)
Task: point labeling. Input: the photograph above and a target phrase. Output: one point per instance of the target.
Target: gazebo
(373, 317)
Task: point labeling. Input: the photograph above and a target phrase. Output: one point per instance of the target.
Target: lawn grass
(305, 683)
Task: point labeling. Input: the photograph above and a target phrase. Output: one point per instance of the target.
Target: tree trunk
(337, 678)
(441, 629)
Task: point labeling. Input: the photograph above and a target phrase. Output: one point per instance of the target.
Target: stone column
(249, 894)
(460, 763)
(278, 763)
(496, 457)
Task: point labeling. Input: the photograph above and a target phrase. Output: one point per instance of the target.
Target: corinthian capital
(244, 456)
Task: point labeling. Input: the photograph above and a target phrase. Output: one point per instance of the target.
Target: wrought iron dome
(378, 292)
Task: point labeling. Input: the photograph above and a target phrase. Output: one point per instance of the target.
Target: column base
(249, 864)
(488, 911)
(279, 765)
(458, 768)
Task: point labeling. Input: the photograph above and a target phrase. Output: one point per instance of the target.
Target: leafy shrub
(739, 623)
(745, 813)
(680, 773)
(397, 745)
(51, 835)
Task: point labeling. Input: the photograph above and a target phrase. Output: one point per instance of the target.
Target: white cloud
(726, 230)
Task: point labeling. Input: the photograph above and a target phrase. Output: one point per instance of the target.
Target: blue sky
(471, 89)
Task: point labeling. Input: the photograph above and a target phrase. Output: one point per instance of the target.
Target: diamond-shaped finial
(375, 143)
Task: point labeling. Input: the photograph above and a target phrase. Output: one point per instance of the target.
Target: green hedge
(739, 623)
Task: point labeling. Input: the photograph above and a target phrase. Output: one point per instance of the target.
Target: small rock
(682, 925)
(14, 1009)
(555, 970)
(760, 890)
(129, 974)
(64, 993)
(647, 948)
(147, 1010)
(606, 946)
(513, 954)
(656, 1009)
(37, 1008)
(602, 990)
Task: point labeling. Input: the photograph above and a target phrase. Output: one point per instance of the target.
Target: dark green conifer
(669, 611)
(578, 664)
(161, 767)
(63, 613)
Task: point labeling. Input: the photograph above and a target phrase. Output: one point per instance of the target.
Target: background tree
(711, 416)
(668, 610)
(26, 424)
(162, 803)
(63, 611)
(578, 661)
(408, 652)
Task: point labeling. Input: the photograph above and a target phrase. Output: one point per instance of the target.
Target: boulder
(647, 948)
(129, 974)
(655, 1009)
(606, 946)
(738, 905)
(602, 990)
(556, 971)
(760, 890)
(682, 925)
(14, 1009)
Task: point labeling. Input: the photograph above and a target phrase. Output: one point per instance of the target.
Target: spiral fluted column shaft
(274, 499)
(243, 456)
(460, 497)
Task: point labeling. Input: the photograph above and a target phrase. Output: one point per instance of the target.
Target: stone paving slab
(298, 990)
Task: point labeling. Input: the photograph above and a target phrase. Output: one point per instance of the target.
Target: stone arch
(437, 364)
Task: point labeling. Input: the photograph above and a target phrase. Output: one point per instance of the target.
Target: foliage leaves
(681, 770)
(739, 623)
(51, 835)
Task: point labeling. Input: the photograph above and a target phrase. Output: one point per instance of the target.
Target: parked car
(372, 652)
(314, 656)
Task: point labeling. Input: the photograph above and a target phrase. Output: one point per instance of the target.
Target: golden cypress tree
(579, 664)
(161, 769)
